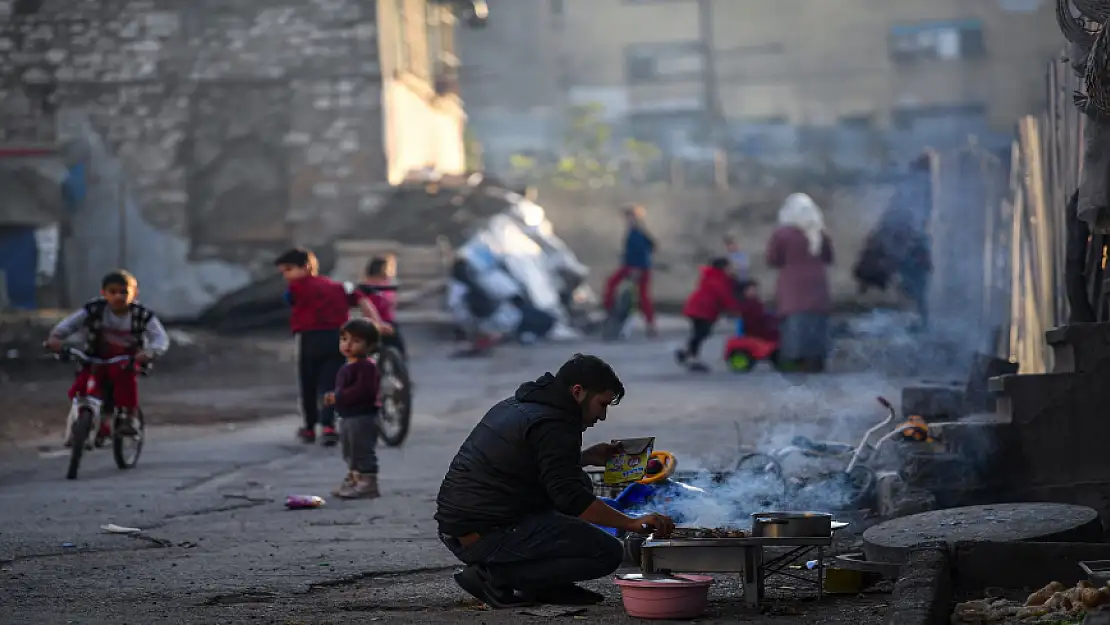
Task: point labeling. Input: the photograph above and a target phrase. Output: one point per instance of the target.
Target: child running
(115, 324)
(320, 308)
(357, 400)
(714, 295)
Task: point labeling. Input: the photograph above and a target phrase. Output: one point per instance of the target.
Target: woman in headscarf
(801, 252)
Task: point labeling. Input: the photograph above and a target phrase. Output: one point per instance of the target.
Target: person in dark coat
(516, 507)
(801, 252)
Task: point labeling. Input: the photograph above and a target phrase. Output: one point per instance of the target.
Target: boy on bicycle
(115, 324)
(320, 308)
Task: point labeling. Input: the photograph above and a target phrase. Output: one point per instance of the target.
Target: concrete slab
(893, 540)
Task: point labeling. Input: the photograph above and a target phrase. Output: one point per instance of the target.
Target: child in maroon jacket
(758, 323)
(713, 296)
(357, 399)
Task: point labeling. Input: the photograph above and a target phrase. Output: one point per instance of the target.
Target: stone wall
(264, 115)
(689, 224)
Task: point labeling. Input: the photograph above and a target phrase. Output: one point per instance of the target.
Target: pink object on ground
(303, 502)
(681, 597)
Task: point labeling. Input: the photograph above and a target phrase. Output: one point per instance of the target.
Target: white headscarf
(800, 211)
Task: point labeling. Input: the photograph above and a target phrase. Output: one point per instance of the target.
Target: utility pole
(711, 92)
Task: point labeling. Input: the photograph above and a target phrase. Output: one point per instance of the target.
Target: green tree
(588, 158)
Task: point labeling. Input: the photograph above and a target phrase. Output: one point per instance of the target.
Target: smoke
(725, 490)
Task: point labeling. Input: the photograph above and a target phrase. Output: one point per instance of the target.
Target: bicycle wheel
(763, 478)
(126, 449)
(79, 437)
(859, 486)
(396, 412)
(618, 317)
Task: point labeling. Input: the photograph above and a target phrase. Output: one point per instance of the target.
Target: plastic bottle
(301, 502)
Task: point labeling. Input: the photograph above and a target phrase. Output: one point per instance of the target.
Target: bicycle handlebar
(72, 353)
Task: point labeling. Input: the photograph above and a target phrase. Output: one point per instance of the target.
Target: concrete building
(205, 134)
(791, 72)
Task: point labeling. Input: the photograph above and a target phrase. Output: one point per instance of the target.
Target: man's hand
(651, 523)
(53, 344)
(329, 399)
(385, 329)
(597, 455)
(144, 357)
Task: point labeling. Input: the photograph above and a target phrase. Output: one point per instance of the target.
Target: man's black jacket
(523, 457)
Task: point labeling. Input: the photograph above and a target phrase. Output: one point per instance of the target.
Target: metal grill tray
(814, 541)
(715, 555)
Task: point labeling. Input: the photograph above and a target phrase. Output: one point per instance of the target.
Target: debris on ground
(1055, 603)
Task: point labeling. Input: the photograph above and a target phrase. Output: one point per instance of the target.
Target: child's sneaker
(698, 366)
(307, 435)
(365, 486)
(348, 483)
(680, 356)
(329, 437)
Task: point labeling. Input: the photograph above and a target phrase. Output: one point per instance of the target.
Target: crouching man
(515, 506)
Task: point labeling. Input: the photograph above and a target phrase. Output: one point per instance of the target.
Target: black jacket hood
(545, 391)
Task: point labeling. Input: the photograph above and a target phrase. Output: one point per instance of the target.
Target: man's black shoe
(567, 595)
(474, 582)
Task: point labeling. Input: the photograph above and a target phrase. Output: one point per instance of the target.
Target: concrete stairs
(1045, 439)
(1056, 447)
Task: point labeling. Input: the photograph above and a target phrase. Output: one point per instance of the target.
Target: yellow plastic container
(843, 581)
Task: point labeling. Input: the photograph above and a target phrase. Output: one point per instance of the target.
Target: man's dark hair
(300, 257)
(591, 373)
(119, 277)
(363, 329)
(719, 263)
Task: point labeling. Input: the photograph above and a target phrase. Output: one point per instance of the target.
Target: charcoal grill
(748, 556)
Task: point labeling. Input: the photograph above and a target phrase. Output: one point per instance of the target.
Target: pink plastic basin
(682, 598)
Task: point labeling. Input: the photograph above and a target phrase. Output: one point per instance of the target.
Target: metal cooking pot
(791, 525)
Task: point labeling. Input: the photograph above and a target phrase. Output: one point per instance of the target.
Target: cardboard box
(629, 466)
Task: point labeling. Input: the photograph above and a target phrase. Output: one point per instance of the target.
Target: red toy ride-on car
(742, 353)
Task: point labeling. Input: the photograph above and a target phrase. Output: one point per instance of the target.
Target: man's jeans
(542, 550)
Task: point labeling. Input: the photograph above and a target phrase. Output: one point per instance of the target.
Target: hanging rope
(1097, 79)
(1073, 27)
(1094, 10)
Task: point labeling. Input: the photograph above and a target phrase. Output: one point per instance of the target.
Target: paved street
(222, 549)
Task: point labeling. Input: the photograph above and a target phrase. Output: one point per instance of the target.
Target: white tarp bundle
(517, 253)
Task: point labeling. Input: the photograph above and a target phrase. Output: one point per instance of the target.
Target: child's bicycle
(396, 393)
(844, 470)
(88, 415)
(617, 320)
